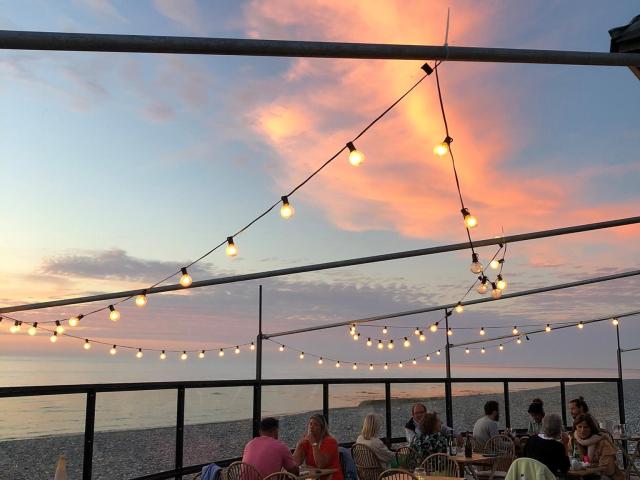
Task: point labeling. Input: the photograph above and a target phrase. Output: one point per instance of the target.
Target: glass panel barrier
(405, 395)
(602, 399)
(348, 406)
(469, 400)
(521, 395)
(217, 422)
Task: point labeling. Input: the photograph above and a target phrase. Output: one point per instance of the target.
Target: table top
(475, 458)
(436, 477)
(312, 472)
(583, 472)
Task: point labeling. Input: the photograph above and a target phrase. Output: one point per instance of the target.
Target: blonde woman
(369, 437)
(317, 448)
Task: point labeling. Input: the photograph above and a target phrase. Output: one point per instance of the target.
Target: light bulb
(370, 366)
(281, 348)
(476, 266)
(236, 350)
(428, 358)
(380, 345)
(515, 330)
(59, 327)
(386, 367)
(141, 300)
(406, 343)
(184, 356)
(385, 330)
(580, 325)
(14, 328)
(482, 350)
(469, 220)
(459, 308)
(185, 279)
(494, 264)
(163, 356)
(352, 329)
(356, 336)
(438, 353)
(114, 315)
(252, 346)
(201, 354)
(495, 292)
(434, 328)
(482, 287)
(615, 321)
(286, 210)
(501, 283)
(87, 344)
(356, 157)
(338, 364)
(449, 332)
(414, 361)
(54, 338)
(369, 342)
(32, 329)
(355, 366)
(442, 149)
(547, 328)
(422, 338)
(18, 326)
(74, 321)
(400, 365)
(320, 361)
(301, 355)
(519, 341)
(466, 350)
(501, 347)
(231, 250)
(113, 350)
(416, 332)
(221, 353)
(390, 345)
(139, 354)
(482, 332)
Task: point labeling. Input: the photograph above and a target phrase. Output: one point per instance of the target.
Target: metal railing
(92, 390)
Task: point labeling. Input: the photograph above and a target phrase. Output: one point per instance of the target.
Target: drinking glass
(454, 449)
(420, 473)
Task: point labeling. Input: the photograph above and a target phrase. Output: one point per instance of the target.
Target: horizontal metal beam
(622, 350)
(91, 42)
(449, 306)
(329, 265)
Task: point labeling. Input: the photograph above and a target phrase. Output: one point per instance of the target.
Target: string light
(236, 350)
(519, 341)
(386, 366)
(221, 352)
(320, 361)
(580, 325)
(385, 330)
(281, 348)
(422, 338)
(113, 350)
(286, 210)
(356, 157)
(338, 364)
(469, 220)
(547, 328)
(482, 332)
(231, 250)
(515, 330)
(438, 353)
(414, 361)
(114, 315)
(356, 336)
(141, 300)
(355, 366)
(390, 345)
(380, 345)
(417, 331)
(442, 148)
(201, 354)
(482, 350)
(184, 356)
(74, 321)
(371, 366)
(32, 329)
(400, 365)
(59, 327)
(352, 329)
(163, 356)
(482, 286)
(501, 283)
(615, 321)
(494, 264)
(466, 350)
(139, 354)
(459, 308)
(496, 293)
(406, 343)
(15, 328)
(428, 358)
(301, 355)
(54, 337)
(434, 327)
(185, 279)
(501, 347)
(369, 342)
(450, 331)
(252, 346)
(476, 266)
(87, 344)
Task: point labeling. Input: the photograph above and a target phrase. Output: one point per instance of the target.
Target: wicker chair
(397, 474)
(240, 471)
(631, 460)
(407, 458)
(440, 465)
(476, 445)
(367, 464)
(503, 448)
(281, 476)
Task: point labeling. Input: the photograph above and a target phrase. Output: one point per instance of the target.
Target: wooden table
(435, 477)
(312, 472)
(583, 472)
(475, 459)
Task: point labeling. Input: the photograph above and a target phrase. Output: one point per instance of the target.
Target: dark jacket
(549, 452)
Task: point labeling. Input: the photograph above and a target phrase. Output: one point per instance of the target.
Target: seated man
(487, 426)
(412, 427)
(268, 454)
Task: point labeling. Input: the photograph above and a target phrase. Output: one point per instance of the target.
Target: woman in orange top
(318, 448)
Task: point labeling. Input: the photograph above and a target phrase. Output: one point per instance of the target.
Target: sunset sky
(120, 168)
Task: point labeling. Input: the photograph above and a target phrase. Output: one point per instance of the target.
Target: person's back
(548, 451)
(268, 454)
(487, 426)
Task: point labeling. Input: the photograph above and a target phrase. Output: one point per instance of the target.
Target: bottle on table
(468, 448)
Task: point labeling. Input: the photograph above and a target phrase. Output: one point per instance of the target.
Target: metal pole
(89, 430)
(88, 42)
(621, 411)
(325, 400)
(447, 384)
(563, 402)
(257, 387)
(330, 265)
(387, 411)
(180, 432)
(507, 409)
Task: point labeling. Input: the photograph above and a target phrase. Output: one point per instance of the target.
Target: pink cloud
(185, 13)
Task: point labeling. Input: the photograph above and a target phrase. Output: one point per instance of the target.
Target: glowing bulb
(547, 328)
(236, 350)
(163, 356)
(414, 361)
(416, 332)
(54, 338)
(221, 352)
(494, 264)
(59, 327)
(320, 361)
(482, 350)
(185, 279)
(400, 365)
(301, 355)
(370, 366)
(252, 346)
(14, 328)
(406, 343)
(139, 354)
(356, 336)
(32, 329)
(201, 354)
(385, 330)
(74, 321)
(501, 347)
(469, 220)
(438, 353)
(495, 292)
(449, 332)
(519, 341)
(87, 344)
(18, 326)
(580, 325)
(482, 332)
(442, 149)
(113, 350)
(466, 350)
(338, 364)
(476, 266)
(428, 358)
(141, 300)
(281, 348)
(434, 328)
(184, 356)
(114, 315)
(352, 329)
(231, 250)
(286, 210)
(355, 366)
(356, 157)
(501, 283)
(515, 330)
(459, 308)
(482, 287)
(380, 345)
(615, 321)
(386, 367)
(390, 345)
(369, 342)
(422, 338)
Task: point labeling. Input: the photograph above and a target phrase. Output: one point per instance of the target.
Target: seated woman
(430, 440)
(536, 411)
(547, 447)
(588, 442)
(318, 448)
(369, 437)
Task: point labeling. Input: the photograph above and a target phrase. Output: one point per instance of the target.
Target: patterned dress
(427, 444)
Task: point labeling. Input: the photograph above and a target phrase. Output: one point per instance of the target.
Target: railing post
(257, 387)
(507, 409)
(448, 394)
(387, 410)
(563, 403)
(325, 400)
(179, 431)
(89, 428)
(621, 412)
